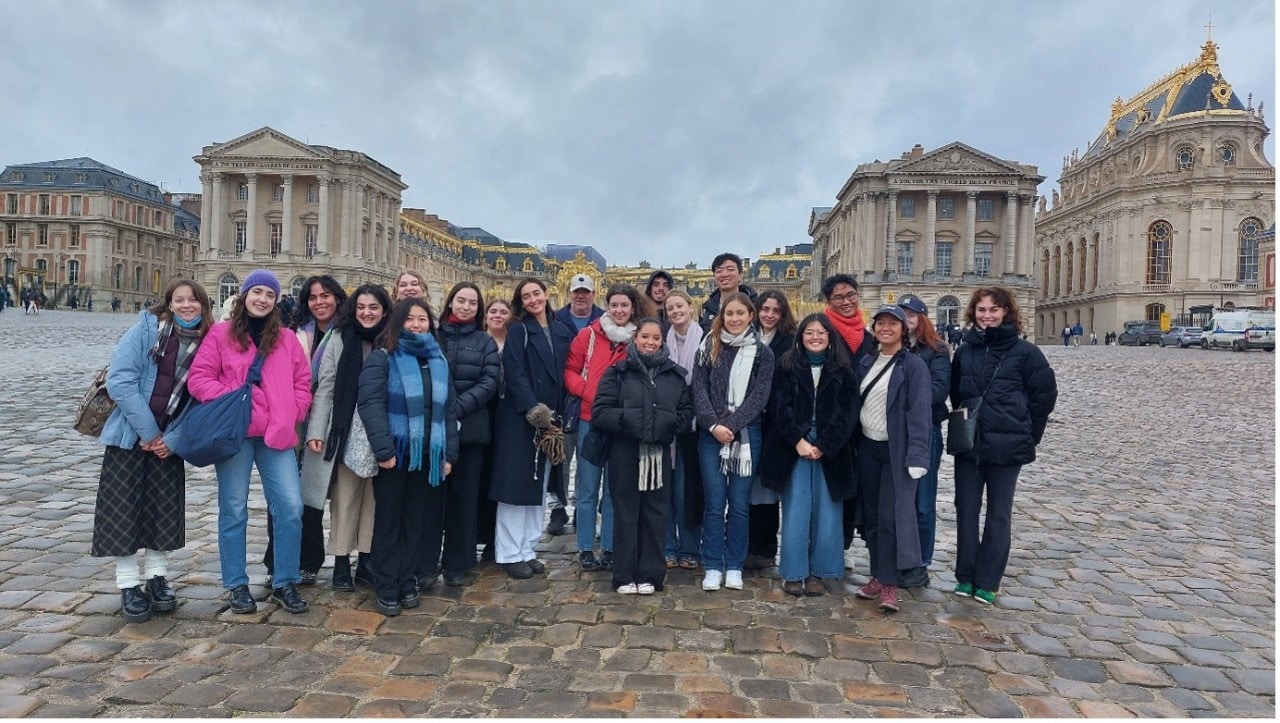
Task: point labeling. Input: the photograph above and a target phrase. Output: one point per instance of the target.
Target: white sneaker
(711, 581)
(733, 579)
(628, 589)
(644, 588)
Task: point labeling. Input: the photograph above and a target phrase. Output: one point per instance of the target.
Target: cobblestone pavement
(1142, 583)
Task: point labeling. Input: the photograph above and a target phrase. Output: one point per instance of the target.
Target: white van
(1240, 330)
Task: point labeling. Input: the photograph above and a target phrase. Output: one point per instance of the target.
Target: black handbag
(595, 447)
(962, 423)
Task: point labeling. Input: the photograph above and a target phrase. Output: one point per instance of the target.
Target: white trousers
(518, 529)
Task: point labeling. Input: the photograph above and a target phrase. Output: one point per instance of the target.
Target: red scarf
(452, 319)
(851, 329)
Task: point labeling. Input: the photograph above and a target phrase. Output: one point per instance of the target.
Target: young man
(580, 311)
(727, 270)
(660, 284)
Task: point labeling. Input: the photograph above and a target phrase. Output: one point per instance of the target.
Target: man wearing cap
(727, 271)
(577, 314)
(660, 284)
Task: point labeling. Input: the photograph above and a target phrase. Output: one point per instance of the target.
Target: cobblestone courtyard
(1142, 583)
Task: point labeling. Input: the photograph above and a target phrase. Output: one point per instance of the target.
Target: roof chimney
(917, 150)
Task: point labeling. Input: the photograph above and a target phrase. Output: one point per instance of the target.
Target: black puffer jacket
(474, 365)
(939, 362)
(711, 307)
(793, 408)
(634, 405)
(372, 407)
(1019, 397)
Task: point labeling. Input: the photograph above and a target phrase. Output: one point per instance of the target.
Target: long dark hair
(347, 314)
(395, 325)
(480, 310)
(796, 359)
(161, 308)
(302, 311)
(517, 306)
(787, 324)
(240, 325)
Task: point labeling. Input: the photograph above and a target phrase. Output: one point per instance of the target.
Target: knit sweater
(711, 390)
(874, 415)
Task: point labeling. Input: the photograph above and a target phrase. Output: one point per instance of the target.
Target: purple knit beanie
(260, 277)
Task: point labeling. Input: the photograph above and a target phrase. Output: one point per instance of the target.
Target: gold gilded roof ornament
(1222, 92)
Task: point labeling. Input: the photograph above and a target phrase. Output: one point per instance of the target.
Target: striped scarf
(188, 341)
(406, 405)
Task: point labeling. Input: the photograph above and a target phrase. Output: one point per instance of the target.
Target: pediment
(265, 142)
(957, 158)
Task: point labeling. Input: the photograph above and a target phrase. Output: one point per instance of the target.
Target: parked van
(1240, 330)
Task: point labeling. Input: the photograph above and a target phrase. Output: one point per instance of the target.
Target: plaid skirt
(141, 503)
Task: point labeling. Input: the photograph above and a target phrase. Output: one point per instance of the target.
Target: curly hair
(641, 306)
(1000, 296)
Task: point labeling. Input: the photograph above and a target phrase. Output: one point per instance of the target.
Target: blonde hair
(422, 281)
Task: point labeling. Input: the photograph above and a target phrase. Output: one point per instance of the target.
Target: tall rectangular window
(982, 259)
(76, 203)
(242, 192)
(946, 208)
(277, 193)
(906, 258)
(942, 257)
(119, 242)
(44, 204)
(11, 203)
(907, 207)
(11, 234)
(311, 239)
(75, 236)
(277, 237)
(986, 209)
(42, 234)
(242, 236)
(73, 272)
(313, 193)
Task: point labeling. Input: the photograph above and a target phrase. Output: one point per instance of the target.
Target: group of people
(699, 438)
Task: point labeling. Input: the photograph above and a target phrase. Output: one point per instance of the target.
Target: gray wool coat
(316, 471)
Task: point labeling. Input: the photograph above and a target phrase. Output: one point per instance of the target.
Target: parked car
(1182, 336)
(1140, 333)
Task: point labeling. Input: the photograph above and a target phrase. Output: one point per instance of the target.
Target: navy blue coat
(533, 372)
(939, 362)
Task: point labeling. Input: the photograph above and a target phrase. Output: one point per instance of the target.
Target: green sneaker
(964, 589)
(984, 596)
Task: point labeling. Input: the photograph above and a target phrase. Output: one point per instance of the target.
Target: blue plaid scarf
(406, 407)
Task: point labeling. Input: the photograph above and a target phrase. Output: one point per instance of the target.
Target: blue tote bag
(212, 432)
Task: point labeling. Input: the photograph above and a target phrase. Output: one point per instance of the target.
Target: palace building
(87, 234)
(1165, 212)
(936, 224)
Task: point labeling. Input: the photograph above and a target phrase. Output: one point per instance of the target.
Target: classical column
(251, 220)
(286, 223)
(391, 226)
(215, 213)
(970, 239)
(867, 232)
(930, 230)
(344, 242)
(1026, 244)
(891, 230)
(206, 196)
(322, 243)
(1010, 230)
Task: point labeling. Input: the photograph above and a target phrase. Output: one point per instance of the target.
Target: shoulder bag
(213, 431)
(95, 407)
(573, 405)
(962, 423)
(358, 456)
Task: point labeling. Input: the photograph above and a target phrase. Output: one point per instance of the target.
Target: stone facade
(1164, 211)
(936, 224)
(84, 232)
(272, 201)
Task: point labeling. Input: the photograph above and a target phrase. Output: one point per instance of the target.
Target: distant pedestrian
(1066, 335)
(1093, 338)
(1077, 333)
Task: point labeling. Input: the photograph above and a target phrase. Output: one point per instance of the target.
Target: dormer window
(16, 176)
(49, 176)
(82, 178)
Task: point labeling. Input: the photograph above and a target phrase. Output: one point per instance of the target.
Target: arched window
(948, 311)
(1044, 274)
(228, 286)
(1186, 158)
(1071, 267)
(1247, 265)
(1154, 311)
(500, 264)
(1093, 277)
(528, 265)
(295, 286)
(73, 272)
(1227, 152)
(791, 271)
(1083, 251)
(1057, 270)
(1159, 252)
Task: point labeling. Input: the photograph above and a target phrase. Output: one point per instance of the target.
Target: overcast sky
(665, 130)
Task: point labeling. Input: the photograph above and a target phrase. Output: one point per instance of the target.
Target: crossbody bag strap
(862, 394)
(255, 371)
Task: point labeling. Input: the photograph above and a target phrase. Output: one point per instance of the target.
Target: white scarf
(735, 457)
(617, 334)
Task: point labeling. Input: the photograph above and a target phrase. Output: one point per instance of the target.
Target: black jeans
(762, 530)
(981, 563)
(639, 533)
(875, 488)
(461, 504)
(401, 500)
(312, 557)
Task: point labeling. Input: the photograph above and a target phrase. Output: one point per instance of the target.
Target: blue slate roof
(185, 222)
(96, 176)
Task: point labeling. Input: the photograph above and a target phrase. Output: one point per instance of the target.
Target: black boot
(342, 574)
(161, 593)
(134, 604)
(364, 570)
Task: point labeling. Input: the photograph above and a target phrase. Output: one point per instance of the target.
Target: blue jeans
(812, 533)
(927, 498)
(682, 540)
(283, 490)
(724, 538)
(588, 490)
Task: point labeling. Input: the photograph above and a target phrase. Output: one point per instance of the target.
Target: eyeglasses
(815, 334)
(848, 298)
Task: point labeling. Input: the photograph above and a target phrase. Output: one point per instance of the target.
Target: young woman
(280, 403)
(924, 342)
(893, 453)
(808, 458)
(409, 284)
(142, 489)
(684, 523)
(363, 320)
(731, 382)
(314, 318)
(497, 315)
(406, 403)
(474, 361)
(642, 402)
(533, 371)
(600, 345)
(1019, 391)
(778, 330)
